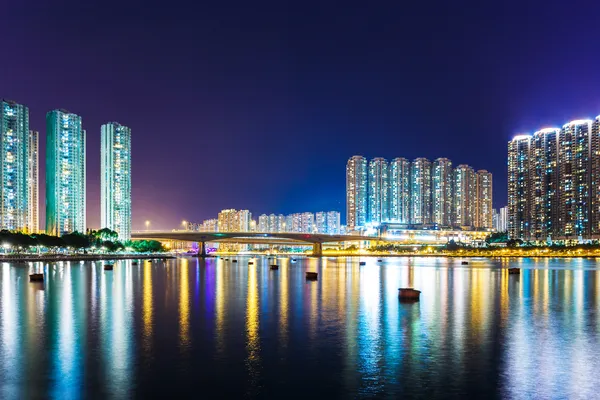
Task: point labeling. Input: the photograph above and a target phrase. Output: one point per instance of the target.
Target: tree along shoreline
(75, 243)
(80, 257)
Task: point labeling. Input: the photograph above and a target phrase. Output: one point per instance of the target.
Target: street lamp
(184, 224)
(147, 224)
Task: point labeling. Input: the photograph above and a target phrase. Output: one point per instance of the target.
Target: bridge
(292, 239)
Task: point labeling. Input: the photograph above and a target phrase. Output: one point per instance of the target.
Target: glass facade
(65, 173)
(14, 165)
(115, 189)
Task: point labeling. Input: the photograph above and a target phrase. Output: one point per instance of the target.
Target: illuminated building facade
(518, 187)
(33, 183)
(115, 170)
(14, 165)
(420, 194)
(400, 191)
(233, 220)
(442, 191)
(553, 180)
(574, 160)
(378, 192)
(483, 201)
(465, 196)
(420, 186)
(65, 173)
(356, 192)
(544, 184)
(263, 223)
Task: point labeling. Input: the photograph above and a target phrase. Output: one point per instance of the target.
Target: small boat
(464, 263)
(379, 260)
(250, 262)
(134, 263)
(293, 260)
(362, 263)
(233, 260)
(312, 276)
(274, 267)
(108, 267)
(514, 271)
(36, 278)
(409, 294)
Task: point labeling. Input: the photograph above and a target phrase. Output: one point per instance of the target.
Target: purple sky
(259, 104)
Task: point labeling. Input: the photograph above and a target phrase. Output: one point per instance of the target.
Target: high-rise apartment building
(378, 192)
(465, 195)
(14, 165)
(115, 170)
(400, 191)
(575, 167)
(553, 179)
(263, 223)
(544, 184)
(356, 192)
(419, 193)
(233, 220)
(420, 186)
(519, 187)
(502, 220)
(483, 201)
(442, 191)
(333, 223)
(65, 173)
(33, 183)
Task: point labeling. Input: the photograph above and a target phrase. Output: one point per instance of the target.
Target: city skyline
(420, 194)
(228, 93)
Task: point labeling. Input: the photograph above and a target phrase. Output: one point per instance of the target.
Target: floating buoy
(36, 278)
(250, 262)
(108, 267)
(312, 276)
(293, 260)
(409, 294)
(379, 260)
(274, 267)
(465, 263)
(233, 260)
(514, 271)
(362, 263)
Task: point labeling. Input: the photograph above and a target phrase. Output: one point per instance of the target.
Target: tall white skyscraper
(420, 177)
(14, 165)
(115, 187)
(65, 173)
(356, 192)
(441, 191)
(378, 192)
(33, 183)
(400, 191)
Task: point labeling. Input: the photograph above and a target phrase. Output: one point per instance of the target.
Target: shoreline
(82, 257)
(416, 255)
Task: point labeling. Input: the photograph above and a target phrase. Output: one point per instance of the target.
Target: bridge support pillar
(317, 249)
(201, 249)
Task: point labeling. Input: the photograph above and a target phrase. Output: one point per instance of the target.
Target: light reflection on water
(169, 328)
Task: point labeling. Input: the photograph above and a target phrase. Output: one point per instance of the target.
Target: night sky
(259, 105)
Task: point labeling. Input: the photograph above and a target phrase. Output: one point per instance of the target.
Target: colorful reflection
(477, 331)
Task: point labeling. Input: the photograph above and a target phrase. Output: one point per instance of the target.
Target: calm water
(216, 329)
